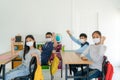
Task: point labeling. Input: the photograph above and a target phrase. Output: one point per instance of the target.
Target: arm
(102, 39)
(69, 33)
(82, 49)
(85, 52)
(54, 40)
(73, 38)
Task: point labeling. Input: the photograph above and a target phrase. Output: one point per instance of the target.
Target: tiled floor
(57, 76)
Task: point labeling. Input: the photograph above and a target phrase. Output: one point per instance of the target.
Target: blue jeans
(93, 73)
(17, 72)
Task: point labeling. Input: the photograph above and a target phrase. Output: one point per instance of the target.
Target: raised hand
(103, 39)
(68, 31)
(12, 40)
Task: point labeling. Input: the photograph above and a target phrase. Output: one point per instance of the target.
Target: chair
(31, 75)
(0, 71)
(0, 68)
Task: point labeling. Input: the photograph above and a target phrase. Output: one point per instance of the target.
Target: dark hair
(98, 32)
(27, 48)
(49, 33)
(83, 35)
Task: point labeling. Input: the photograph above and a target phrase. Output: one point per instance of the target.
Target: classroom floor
(57, 76)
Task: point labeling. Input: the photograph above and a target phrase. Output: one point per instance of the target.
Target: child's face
(82, 37)
(96, 35)
(29, 40)
(48, 36)
(96, 38)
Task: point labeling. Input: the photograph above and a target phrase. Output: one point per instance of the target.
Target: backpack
(107, 70)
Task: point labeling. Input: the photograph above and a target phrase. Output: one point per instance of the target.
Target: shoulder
(87, 43)
(37, 51)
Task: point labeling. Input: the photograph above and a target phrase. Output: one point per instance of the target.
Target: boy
(83, 45)
(46, 49)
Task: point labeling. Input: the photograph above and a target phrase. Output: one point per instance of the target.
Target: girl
(96, 52)
(26, 55)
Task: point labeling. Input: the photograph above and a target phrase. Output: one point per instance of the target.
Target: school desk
(73, 58)
(4, 59)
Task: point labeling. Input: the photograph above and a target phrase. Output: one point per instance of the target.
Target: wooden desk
(73, 58)
(4, 59)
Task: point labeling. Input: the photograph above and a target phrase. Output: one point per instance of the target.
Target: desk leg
(87, 72)
(61, 68)
(66, 72)
(3, 71)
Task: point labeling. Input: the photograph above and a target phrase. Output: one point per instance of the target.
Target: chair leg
(52, 77)
(61, 69)
(0, 68)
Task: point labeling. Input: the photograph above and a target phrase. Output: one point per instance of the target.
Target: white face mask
(96, 40)
(48, 39)
(30, 43)
(82, 40)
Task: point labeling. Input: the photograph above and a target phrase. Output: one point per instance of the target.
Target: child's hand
(103, 39)
(12, 40)
(53, 35)
(68, 31)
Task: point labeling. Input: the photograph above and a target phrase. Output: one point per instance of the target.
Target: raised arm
(54, 40)
(73, 38)
(102, 39)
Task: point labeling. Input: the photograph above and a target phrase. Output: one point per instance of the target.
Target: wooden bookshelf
(18, 46)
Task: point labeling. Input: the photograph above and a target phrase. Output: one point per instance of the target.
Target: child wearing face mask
(96, 52)
(47, 49)
(26, 55)
(82, 42)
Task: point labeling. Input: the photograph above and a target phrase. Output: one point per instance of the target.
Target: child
(82, 41)
(26, 55)
(47, 49)
(96, 52)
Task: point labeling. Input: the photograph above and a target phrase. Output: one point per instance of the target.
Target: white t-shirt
(96, 53)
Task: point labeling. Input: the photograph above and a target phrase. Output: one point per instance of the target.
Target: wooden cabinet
(18, 46)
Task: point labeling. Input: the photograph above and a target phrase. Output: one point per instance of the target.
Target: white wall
(39, 16)
(103, 15)
(33, 17)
